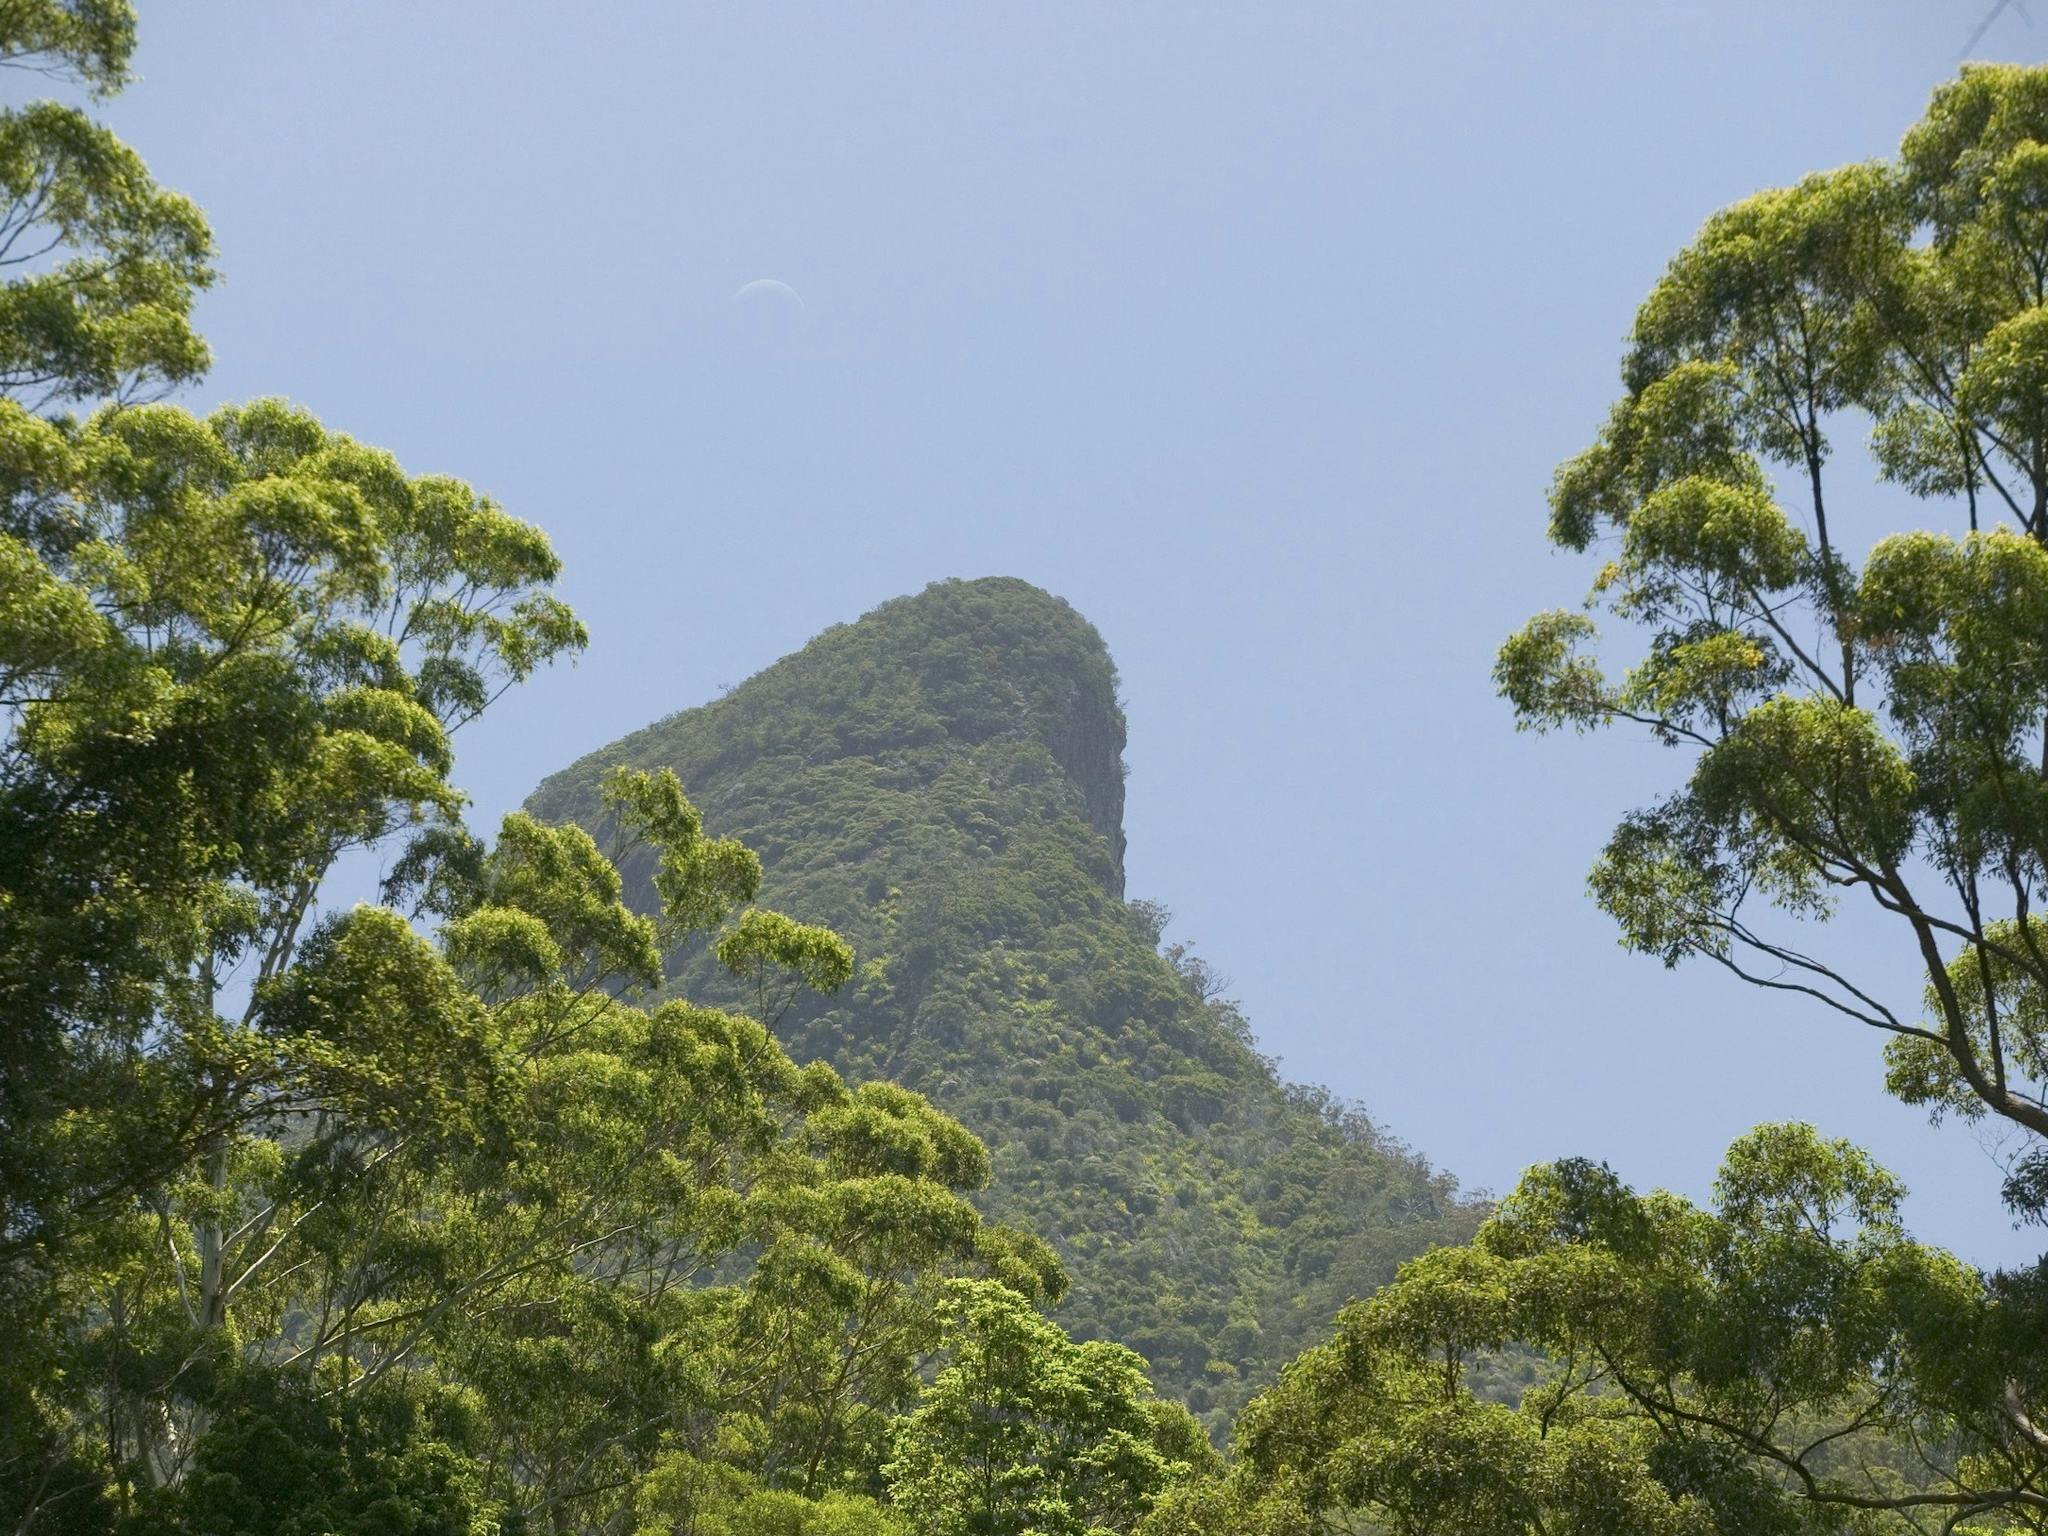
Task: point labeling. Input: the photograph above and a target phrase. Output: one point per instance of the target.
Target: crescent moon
(768, 287)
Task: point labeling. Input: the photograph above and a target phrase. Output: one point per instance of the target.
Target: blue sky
(1255, 331)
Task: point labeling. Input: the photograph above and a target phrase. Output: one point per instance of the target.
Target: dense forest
(942, 783)
(786, 1126)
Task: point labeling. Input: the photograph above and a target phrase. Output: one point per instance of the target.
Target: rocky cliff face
(942, 781)
(1089, 745)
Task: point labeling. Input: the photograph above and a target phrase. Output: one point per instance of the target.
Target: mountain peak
(941, 781)
(964, 662)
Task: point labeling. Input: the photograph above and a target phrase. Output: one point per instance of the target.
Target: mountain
(943, 782)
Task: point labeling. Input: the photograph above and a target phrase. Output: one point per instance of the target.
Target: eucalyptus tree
(1865, 711)
(1785, 1361)
(324, 1218)
(1866, 718)
(99, 266)
(1025, 1432)
(98, 271)
(579, 1245)
(231, 650)
(1863, 719)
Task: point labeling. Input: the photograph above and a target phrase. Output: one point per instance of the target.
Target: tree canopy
(438, 1213)
(1865, 732)
(1865, 724)
(1025, 1433)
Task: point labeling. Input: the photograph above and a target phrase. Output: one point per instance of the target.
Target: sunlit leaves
(881, 1128)
(1551, 683)
(1877, 733)
(87, 40)
(1694, 1360)
(1025, 1433)
(1808, 783)
(101, 265)
(1875, 737)
(2003, 385)
(372, 1023)
(1779, 286)
(1731, 539)
(1686, 423)
(762, 939)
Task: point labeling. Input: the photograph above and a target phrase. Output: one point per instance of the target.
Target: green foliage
(98, 265)
(1864, 740)
(235, 649)
(1025, 1433)
(278, 1460)
(687, 1497)
(1869, 739)
(942, 783)
(434, 1216)
(760, 941)
(525, 1256)
(1867, 734)
(86, 40)
(1788, 1361)
(680, 1279)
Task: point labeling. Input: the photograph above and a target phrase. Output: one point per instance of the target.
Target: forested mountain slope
(942, 782)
